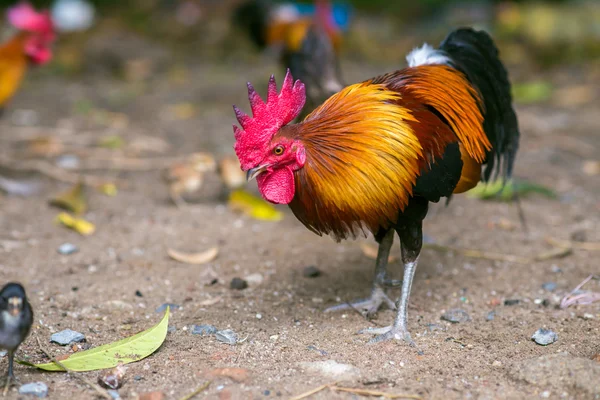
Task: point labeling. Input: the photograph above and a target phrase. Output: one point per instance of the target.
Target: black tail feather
(474, 54)
(253, 18)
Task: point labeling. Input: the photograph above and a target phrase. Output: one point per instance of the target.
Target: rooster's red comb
(25, 18)
(279, 110)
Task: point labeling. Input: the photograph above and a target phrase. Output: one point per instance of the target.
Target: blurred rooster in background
(314, 59)
(30, 46)
(310, 40)
(376, 153)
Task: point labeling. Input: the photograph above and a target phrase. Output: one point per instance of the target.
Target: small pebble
(3, 353)
(238, 284)
(203, 330)
(171, 329)
(254, 279)
(67, 337)
(258, 316)
(39, 389)
(164, 306)
(267, 392)
(67, 248)
(456, 315)
(549, 286)
(226, 336)
(138, 293)
(137, 378)
(68, 161)
(114, 394)
(511, 302)
(544, 337)
(435, 327)
(588, 316)
(311, 272)
(490, 316)
(497, 363)
(556, 269)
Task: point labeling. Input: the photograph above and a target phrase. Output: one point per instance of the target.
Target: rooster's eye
(278, 150)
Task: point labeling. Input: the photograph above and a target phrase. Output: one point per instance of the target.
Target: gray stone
(38, 389)
(163, 307)
(67, 248)
(456, 315)
(549, 286)
(203, 330)
(226, 336)
(544, 336)
(67, 337)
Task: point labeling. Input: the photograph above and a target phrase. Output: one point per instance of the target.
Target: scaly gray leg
(410, 231)
(371, 305)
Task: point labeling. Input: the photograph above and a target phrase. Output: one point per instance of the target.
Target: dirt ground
(94, 291)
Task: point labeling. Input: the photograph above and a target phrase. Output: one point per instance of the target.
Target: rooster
(268, 23)
(312, 57)
(375, 154)
(30, 46)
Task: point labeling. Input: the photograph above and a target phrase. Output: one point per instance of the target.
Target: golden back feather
(362, 161)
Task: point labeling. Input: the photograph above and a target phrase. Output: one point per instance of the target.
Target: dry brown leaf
(371, 252)
(231, 173)
(210, 302)
(194, 258)
(591, 167)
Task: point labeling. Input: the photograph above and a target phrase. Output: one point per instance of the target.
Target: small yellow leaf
(194, 258)
(72, 200)
(109, 189)
(79, 225)
(253, 206)
(370, 251)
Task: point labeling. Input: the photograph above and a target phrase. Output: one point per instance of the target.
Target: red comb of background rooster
(25, 18)
(40, 27)
(279, 110)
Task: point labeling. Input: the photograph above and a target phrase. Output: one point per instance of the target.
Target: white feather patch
(426, 55)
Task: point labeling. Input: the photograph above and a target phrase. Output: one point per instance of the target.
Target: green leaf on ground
(128, 350)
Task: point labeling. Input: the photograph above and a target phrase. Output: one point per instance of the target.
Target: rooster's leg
(410, 231)
(378, 296)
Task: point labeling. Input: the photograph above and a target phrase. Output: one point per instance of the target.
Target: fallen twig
(103, 393)
(313, 391)
(197, 391)
(555, 253)
(365, 392)
(360, 392)
(592, 246)
(581, 298)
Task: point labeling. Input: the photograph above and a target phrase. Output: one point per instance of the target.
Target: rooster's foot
(387, 333)
(368, 306)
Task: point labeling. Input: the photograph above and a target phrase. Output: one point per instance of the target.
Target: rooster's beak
(254, 172)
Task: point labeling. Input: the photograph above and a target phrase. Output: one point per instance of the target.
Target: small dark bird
(16, 318)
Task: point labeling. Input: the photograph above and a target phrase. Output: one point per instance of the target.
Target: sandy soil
(94, 290)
